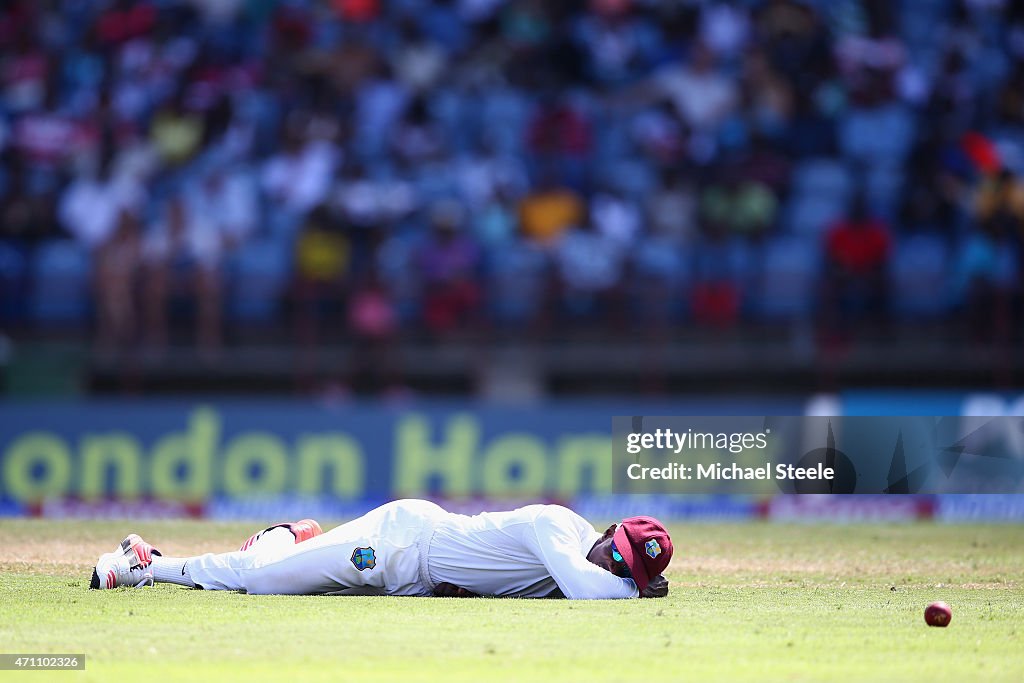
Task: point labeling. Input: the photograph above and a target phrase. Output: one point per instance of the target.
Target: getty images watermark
(892, 455)
(732, 442)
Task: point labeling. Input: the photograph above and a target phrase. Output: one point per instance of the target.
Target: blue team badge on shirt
(652, 548)
(363, 558)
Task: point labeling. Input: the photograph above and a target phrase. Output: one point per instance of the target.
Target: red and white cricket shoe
(303, 530)
(128, 565)
(142, 550)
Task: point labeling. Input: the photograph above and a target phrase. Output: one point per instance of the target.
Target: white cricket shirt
(523, 553)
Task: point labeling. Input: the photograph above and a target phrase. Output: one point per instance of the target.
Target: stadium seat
(517, 276)
(883, 183)
(502, 115)
(810, 216)
(785, 287)
(661, 274)
(918, 277)
(60, 282)
(396, 264)
(614, 143)
(629, 177)
(259, 274)
(13, 278)
(448, 107)
(878, 135)
(822, 177)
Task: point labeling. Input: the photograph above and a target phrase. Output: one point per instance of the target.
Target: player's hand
(450, 590)
(657, 587)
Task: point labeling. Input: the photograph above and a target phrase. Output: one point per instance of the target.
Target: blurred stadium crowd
(372, 168)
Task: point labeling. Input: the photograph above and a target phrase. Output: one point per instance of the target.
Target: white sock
(172, 570)
(275, 538)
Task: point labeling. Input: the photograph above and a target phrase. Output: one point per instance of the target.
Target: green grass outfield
(754, 602)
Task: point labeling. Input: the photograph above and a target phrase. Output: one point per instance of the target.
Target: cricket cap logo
(652, 548)
(364, 558)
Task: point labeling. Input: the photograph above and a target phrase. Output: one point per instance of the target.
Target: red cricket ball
(938, 614)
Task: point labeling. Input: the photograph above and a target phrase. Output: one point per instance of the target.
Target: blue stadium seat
(448, 107)
(878, 135)
(883, 183)
(811, 216)
(13, 280)
(614, 142)
(630, 177)
(1007, 268)
(661, 275)
(788, 279)
(919, 277)
(396, 264)
(61, 286)
(259, 275)
(516, 282)
(502, 116)
(822, 177)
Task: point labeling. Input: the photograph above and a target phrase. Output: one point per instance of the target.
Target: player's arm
(558, 548)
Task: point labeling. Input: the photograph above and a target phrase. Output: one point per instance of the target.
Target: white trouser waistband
(423, 542)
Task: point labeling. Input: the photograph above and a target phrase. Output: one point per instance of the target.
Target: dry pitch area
(755, 602)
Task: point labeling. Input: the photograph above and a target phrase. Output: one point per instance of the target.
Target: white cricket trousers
(384, 551)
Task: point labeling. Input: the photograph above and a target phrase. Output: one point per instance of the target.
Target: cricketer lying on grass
(414, 547)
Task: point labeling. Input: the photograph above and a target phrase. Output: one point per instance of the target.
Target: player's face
(606, 556)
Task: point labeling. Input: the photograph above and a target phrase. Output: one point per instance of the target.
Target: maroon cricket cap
(645, 547)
